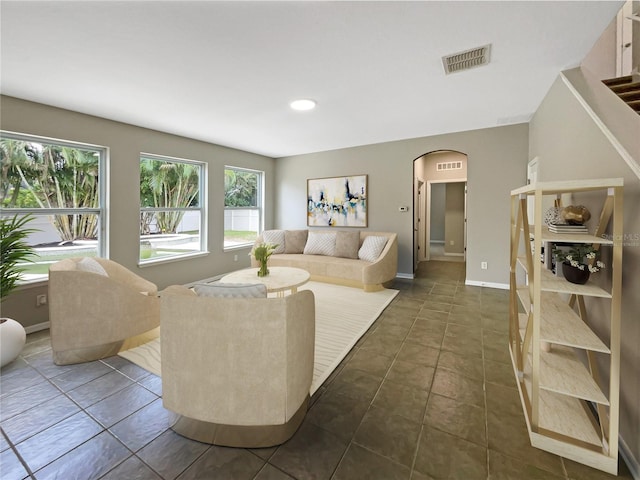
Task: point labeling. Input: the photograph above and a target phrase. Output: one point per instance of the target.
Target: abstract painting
(337, 201)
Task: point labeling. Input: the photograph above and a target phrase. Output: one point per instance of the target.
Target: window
(61, 184)
(242, 206)
(172, 216)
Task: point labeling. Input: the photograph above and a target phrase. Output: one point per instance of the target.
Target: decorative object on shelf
(576, 214)
(576, 275)
(14, 251)
(337, 201)
(578, 262)
(553, 216)
(261, 253)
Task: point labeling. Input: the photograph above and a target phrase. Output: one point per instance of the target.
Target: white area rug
(343, 315)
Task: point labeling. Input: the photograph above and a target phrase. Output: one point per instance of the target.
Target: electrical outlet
(483, 265)
(451, 242)
(235, 258)
(41, 300)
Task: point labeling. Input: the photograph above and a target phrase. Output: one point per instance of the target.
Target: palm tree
(165, 184)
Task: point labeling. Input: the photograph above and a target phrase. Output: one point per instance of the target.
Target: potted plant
(261, 253)
(14, 251)
(578, 262)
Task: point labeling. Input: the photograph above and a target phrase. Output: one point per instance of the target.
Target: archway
(444, 171)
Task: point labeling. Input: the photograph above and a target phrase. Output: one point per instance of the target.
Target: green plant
(14, 251)
(263, 251)
(580, 255)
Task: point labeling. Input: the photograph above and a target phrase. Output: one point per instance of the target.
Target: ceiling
(225, 72)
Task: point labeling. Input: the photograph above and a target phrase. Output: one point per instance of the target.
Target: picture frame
(337, 201)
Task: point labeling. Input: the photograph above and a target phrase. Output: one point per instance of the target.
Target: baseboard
(437, 241)
(446, 254)
(37, 327)
(476, 283)
(629, 459)
(409, 276)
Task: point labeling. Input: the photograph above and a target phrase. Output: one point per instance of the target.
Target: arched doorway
(439, 182)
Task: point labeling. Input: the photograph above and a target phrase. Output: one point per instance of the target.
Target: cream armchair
(96, 304)
(237, 371)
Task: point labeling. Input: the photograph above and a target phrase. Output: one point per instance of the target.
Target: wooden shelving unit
(568, 409)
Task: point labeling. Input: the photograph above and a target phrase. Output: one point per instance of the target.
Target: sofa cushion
(231, 290)
(295, 240)
(275, 237)
(91, 265)
(372, 247)
(347, 244)
(320, 244)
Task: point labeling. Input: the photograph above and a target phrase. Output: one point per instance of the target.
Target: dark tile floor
(427, 393)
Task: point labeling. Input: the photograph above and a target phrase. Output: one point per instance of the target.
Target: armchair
(237, 371)
(96, 304)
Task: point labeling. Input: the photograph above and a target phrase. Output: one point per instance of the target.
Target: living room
(567, 142)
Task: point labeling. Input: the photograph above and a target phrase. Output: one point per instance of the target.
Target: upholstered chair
(95, 305)
(237, 371)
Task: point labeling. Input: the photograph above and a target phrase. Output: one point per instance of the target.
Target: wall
(125, 142)
(569, 145)
(497, 163)
(454, 219)
(601, 60)
(438, 197)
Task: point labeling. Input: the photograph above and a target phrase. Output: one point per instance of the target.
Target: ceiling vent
(475, 57)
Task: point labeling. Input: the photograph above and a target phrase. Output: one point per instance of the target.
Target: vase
(263, 271)
(12, 340)
(574, 274)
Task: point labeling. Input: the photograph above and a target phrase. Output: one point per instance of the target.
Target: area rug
(343, 315)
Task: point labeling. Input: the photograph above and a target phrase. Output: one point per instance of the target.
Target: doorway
(440, 206)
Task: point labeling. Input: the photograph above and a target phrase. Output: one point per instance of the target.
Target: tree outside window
(243, 206)
(171, 215)
(59, 183)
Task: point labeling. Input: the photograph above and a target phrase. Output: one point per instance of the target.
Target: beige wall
(497, 163)
(570, 146)
(454, 219)
(125, 142)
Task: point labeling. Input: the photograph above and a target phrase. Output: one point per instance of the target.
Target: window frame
(103, 189)
(201, 208)
(260, 197)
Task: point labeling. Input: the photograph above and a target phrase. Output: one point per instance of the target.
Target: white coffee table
(279, 280)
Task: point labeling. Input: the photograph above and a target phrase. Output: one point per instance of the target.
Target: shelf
(561, 414)
(552, 283)
(560, 325)
(568, 186)
(566, 376)
(562, 372)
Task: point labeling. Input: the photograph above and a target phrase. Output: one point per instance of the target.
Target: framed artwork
(337, 201)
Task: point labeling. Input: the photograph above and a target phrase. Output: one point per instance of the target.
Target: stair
(628, 90)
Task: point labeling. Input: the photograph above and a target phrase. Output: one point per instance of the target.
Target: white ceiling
(225, 72)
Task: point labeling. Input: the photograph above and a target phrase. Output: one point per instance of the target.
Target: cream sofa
(237, 370)
(95, 305)
(371, 276)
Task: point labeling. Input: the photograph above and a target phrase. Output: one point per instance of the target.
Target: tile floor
(427, 393)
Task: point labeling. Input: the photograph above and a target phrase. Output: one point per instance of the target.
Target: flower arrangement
(261, 253)
(580, 256)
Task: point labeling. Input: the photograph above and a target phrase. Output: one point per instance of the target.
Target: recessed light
(303, 104)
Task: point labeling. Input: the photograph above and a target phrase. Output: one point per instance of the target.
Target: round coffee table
(279, 280)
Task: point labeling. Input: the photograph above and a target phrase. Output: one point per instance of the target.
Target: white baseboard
(437, 241)
(476, 283)
(446, 254)
(629, 459)
(37, 327)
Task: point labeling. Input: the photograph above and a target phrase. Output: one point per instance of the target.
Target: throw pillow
(295, 240)
(320, 244)
(275, 237)
(347, 243)
(372, 248)
(88, 264)
(231, 290)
